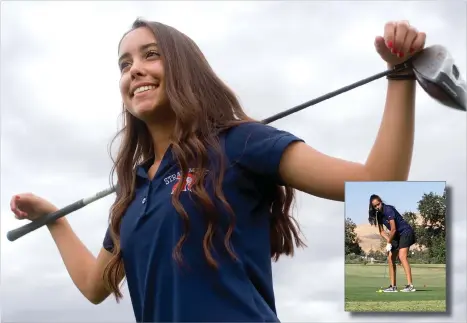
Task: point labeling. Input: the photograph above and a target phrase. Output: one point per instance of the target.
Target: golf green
(363, 281)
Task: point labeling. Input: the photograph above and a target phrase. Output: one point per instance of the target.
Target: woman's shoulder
(390, 209)
(248, 128)
(252, 135)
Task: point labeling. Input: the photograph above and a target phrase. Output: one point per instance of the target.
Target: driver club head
(439, 76)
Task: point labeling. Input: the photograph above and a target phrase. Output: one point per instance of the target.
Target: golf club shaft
(36, 224)
(329, 95)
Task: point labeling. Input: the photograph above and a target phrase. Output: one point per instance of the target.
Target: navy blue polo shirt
(390, 213)
(242, 290)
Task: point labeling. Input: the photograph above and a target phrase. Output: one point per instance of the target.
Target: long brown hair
(203, 106)
(374, 217)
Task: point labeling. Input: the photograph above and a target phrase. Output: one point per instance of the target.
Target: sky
(60, 104)
(404, 196)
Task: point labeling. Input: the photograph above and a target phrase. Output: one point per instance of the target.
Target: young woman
(401, 236)
(205, 191)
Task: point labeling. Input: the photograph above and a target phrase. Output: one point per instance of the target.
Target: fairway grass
(362, 282)
(398, 306)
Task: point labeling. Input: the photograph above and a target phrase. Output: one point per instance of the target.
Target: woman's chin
(145, 110)
(148, 112)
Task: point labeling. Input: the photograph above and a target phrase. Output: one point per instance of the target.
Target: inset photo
(395, 246)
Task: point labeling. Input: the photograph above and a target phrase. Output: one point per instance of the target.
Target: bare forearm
(391, 236)
(388, 237)
(391, 155)
(384, 235)
(78, 260)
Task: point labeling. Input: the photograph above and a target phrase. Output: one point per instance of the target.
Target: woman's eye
(123, 65)
(152, 53)
(149, 54)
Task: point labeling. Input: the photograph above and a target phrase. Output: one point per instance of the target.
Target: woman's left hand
(400, 42)
(388, 247)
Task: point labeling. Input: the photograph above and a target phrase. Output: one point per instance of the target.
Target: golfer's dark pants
(403, 240)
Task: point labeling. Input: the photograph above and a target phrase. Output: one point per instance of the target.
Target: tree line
(430, 231)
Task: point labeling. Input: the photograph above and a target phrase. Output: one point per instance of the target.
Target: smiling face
(142, 84)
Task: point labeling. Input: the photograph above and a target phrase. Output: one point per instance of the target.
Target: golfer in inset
(401, 236)
(200, 250)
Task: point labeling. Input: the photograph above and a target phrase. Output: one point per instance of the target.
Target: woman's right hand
(31, 207)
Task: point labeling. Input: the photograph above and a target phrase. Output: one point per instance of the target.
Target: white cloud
(59, 80)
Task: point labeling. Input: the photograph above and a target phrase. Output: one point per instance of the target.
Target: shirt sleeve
(108, 243)
(259, 148)
(391, 215)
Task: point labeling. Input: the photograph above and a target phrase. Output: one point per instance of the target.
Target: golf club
(434, 69)
(386, 267)
(381, 290)
(439, 76)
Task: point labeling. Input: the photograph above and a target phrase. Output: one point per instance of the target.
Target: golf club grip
(34, 225)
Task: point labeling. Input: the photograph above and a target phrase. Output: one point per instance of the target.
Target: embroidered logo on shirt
(187, 185)
(175, 178)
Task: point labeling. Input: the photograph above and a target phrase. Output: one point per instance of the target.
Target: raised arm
(313, 172)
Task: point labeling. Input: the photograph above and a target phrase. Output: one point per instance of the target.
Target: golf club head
(439, 76)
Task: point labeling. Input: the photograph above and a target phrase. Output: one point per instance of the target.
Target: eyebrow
(142, 48)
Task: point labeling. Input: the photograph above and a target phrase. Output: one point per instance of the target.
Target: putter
(386, 267)
(434, 70)
(385, 271)
(381, 290)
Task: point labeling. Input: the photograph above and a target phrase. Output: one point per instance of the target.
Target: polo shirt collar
(143, 168)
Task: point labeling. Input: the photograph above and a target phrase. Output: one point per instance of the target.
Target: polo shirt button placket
(144, 201)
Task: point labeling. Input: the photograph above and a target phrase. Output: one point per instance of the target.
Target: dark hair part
(374, 217)
(203, 107)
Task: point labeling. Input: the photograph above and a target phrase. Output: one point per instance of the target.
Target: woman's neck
(161, 135)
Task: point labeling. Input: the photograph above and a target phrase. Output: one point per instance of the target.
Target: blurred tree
(352, 243)
(410, 218)
(431, 233)
(377, 255)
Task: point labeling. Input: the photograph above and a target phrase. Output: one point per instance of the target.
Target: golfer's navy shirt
(390, 213)
(161, 289)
